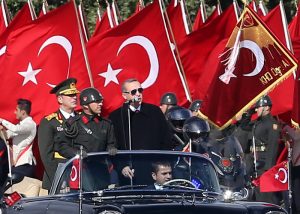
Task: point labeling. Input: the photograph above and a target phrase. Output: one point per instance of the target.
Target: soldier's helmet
(176, 117)
(196, 129)
(263, 101)
(90, 95)
(168, 99)
(195, 105)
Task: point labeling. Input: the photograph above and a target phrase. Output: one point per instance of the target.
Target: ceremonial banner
(253, 63)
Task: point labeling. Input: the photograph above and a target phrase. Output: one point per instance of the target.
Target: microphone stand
(129, 137)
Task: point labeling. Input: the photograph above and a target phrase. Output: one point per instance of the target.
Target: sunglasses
(133, 92)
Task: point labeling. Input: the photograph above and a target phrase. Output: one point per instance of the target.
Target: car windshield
(100, 171)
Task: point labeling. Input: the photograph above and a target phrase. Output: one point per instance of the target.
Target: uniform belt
(261, 148)
(58, 156)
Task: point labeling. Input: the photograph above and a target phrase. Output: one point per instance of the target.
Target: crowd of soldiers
(242, 152)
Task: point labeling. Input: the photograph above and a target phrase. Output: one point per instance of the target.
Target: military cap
(263, 101)
(66, 87)
(195, 105)
(169, 99)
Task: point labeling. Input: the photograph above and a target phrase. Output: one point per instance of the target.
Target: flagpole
(289, 163)
(177, 56)
(80, 179)
(9, 160)
(83, 47)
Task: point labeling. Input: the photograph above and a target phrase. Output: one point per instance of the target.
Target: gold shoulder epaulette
(51, 116)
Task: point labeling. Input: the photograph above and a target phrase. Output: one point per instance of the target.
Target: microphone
(135, 99)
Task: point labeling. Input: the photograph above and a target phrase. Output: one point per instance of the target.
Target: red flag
(187, 147)
(30, 69)
(106, 22)
(22, 18)
(275, 179)
(45, 9)
(75, 174)
(177, 19)
(139, 6)
(200, 17)
(281, 96)
(294, 29)
(251, 65)
(134, 49)
(196, 48)
(4, 16)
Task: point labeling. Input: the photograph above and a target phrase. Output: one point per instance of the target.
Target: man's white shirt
(22, 135)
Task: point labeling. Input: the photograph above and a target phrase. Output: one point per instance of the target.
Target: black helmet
(196, 129)
(195, 105)
(90, 95)
(169, 99)
(263, 101)
(176, 117)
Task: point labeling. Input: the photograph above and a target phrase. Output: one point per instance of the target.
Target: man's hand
(127, 172)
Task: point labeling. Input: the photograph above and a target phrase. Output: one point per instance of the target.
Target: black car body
(194, 187)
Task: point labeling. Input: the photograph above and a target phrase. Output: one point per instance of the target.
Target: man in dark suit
(52, 124)
(148, 127)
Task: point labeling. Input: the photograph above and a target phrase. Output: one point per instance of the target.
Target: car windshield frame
(185, 166)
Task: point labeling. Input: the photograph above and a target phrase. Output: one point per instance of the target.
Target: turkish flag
(22, 18)
(251, 65)
(177, 18)
(275, 179)
(75, 174)
(200, 17)
(39, 56)
(281, 96)
(196, 48)
(102, 25)
(4, 21)
(137, 48)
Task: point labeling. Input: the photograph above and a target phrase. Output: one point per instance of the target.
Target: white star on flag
(110, 75)
(276, 176)
(29, 75)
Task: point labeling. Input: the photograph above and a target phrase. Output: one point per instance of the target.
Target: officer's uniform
(94, 133)
(49, 128)
(266, 135)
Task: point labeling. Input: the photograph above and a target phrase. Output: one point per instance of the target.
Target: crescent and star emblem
(285, 178)
(74, 174)
(30, 73)
(259, 57)
(111, 74)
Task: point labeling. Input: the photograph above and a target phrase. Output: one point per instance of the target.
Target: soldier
(195, 107)
(196, 130)
(176, 117)
(88, 129)
(266, 134)
(167, 101)
(51, 125)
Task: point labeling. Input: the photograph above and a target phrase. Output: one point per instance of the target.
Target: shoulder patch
(275, 126)
(51, 116)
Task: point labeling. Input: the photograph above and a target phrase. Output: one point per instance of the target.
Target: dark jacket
(149, 128)
(94, 133)
(48, 129)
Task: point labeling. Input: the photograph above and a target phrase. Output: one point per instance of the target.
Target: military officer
(88, 129)
(266, 133)
(66, 94)
(167, 101)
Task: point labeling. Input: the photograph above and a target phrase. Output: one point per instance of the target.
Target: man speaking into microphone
(147, 129)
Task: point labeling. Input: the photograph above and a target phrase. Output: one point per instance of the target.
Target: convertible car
(94, 183)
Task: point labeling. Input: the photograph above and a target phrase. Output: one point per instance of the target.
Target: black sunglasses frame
(133, 91)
